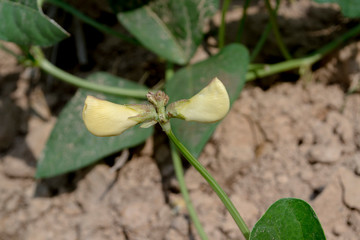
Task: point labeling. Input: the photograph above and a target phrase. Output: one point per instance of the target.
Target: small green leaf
(288, 218)
(229, 65)
(171, 28)
(23, 23)
(350, 8)
(71, 146)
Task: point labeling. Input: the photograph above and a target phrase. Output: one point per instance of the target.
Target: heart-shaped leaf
(23, 23)
(230, 66)
(170, 28)
(350, 8)
(288, 218)
(70, 145)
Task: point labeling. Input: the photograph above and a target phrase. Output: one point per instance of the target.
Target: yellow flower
(211, 104)
(104, 119)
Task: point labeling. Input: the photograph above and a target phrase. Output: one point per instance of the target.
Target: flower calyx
(159, 101)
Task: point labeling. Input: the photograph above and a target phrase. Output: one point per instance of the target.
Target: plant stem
(101, 27)
(212, 182)
(226, 4)
(276, 32)
(242, 22)
(336, 42)
(264, 36)
(268, 70)
(180, 172)
(271, 69)
(45, 65)
(180, 176)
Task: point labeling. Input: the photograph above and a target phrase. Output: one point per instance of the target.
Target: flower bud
(209, 105)
(104, 119)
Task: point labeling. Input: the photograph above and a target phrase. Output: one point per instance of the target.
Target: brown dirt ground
(295, 139)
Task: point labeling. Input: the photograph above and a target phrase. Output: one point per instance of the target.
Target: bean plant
(188, 106)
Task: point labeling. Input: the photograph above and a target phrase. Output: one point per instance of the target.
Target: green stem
(242, 22)
(212, 182)
(101, 27)
(45, 65)
(263, 37)
(260, 43)
(276, 32)
(180, 176)
(335, 43)
(222, 25)
(268, 70)
(180, 172)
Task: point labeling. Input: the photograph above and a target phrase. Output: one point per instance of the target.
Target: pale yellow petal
(209, 105)
(104, 119)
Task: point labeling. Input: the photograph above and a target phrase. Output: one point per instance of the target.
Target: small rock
(39, 132)
(282, 179)
(329, 206)
(324, 154)
(351, 184)
(341, 126)
(354, 220)
(17, 168)
(172, 234)
(19, 162)
(39, 104)
(38, 207)
(339, 229)
(181, 225)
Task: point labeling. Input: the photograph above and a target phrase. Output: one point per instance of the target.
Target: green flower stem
(276, 32)
(264, 36)
(226, 4)
(242, 22)
(179, 172)
(101, 27)
(180, 176)
(212, 182)
(45, 65)
(271, 69)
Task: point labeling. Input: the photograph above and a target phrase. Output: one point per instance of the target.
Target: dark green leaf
(71, 146)
(229, 65)
(171, 28)
(350, 8)
(22, 23)
(288, 218)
